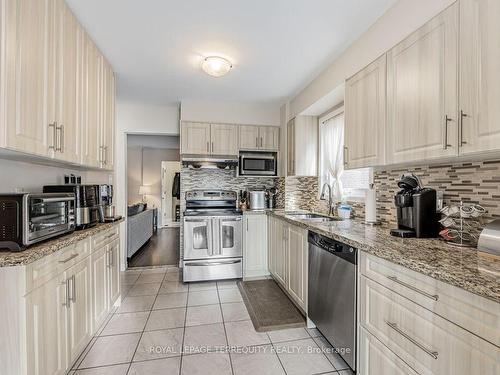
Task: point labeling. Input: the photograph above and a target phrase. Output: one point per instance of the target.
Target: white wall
(398, 22)
(231, 113)
(29, 177)
(137, 118)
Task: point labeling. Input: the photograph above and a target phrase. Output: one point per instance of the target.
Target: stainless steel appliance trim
(435, 297)
(434, 354)
(201, 264)
(265, 156)
(52, 200)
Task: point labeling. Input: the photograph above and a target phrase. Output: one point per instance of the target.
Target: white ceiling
(277, 46)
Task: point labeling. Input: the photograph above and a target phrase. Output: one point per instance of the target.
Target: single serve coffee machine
(416, 209)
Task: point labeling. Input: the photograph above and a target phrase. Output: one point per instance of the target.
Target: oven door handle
(52, 200)
(202, 264)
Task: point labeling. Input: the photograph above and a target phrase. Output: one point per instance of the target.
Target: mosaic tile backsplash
(475, 182)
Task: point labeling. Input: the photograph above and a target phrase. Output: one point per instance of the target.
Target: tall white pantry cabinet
(57, 91)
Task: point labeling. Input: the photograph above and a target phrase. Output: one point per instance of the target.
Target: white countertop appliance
(212, 236)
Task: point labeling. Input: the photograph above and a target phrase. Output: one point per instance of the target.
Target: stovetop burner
(211, 203)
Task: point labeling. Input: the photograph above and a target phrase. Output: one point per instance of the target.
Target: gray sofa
(139, 230)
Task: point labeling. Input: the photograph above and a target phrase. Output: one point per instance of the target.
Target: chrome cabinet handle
(435, 297)
(256, 141)
(261, 142)
(61, 138)
(66, 299)
(208, 146)
(346, 151)
(112, 258)
(68, 258)
(71, 296)
(53, 145)
(105, 149)
(212, 147)
(462, 116)
(432, 353)
(445, 140)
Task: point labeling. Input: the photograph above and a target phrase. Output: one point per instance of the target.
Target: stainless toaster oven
(26, 219)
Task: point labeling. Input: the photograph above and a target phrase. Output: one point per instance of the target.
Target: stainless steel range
(212, 236)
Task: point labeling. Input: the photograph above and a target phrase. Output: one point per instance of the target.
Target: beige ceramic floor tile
(260, 360)
(232, 312)
(149, 289)
(110, 350)
(167, 318)
(205, 338)
(159, 344)
(173, 287)
(227, 284)
(165, 366)
(136, 303)
(171, 300)
(203, 297)
(150, 278)
(197, 315)
(288, 334)
(302, 357)
(335, 359)
(244, 334)
(230, 295)
(206, 364)
(126, 323)
(107, 370)
(203, 285)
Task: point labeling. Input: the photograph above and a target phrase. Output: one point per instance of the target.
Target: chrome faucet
(330, 197)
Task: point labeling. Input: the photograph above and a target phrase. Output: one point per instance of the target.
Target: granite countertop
(42, 249)
(459, 267)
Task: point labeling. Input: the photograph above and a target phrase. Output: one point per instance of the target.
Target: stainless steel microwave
(258, 164)
(26, 219)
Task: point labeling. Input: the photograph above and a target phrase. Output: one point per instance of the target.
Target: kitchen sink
(313, 217)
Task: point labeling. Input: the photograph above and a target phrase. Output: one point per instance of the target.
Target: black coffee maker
(416, 209)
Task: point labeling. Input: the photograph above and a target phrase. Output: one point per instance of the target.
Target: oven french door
(198, 238)
(228, 242)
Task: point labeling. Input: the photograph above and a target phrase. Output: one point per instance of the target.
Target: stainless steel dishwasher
(332, 293)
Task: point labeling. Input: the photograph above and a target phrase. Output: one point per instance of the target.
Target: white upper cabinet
(223, 139)
(27, 52)
(302, 146)
(107, 116)
(264, 138)
(365, 118)
(195, 138)
(479, 76)
(422, 92)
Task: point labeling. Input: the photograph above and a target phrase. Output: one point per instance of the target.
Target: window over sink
(346, 184)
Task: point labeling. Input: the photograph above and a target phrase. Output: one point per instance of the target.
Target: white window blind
(350, 184)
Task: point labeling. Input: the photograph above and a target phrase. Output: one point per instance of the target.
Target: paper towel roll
(371, 206)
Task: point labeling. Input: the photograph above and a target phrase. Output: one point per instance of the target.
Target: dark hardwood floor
(162, 249)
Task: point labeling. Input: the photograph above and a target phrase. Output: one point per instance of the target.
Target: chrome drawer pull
(435, 297)
(395, 327)
(111, 235)
(68, 258)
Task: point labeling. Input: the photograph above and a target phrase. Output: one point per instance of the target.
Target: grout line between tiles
(225, 331)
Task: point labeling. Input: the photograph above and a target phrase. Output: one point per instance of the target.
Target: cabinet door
(249, 137)
(375, 358)
(68, 125)
(479, 76)
(107, 115)
(46, 328)
(297, 264)
(271, 230)
(100, 296)
(422, 92)
(224, 139)
(80, 310)
(364, 137)
(195, 138)
(29, 54)
(269, 138)
(290, 148)
(113, 271)
(91, 152)
(281, 255)
(255, 245)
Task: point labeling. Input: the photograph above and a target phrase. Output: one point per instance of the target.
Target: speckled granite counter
(432, 257)
(35, 252)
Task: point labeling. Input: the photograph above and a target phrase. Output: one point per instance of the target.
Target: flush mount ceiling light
(216, 66)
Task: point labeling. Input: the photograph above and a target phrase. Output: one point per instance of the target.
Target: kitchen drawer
(103, 238)
(425, 341)
(376, 359)
(474, 313)
(213, 269)
(48, 267)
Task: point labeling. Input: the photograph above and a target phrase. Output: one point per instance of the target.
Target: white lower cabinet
(288, 257)
(46, 327)
(78, 308)
(417, 336)
(58, 303)
(255, 249)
